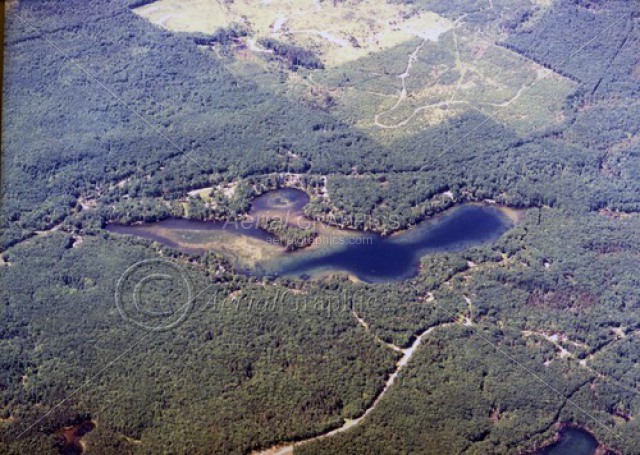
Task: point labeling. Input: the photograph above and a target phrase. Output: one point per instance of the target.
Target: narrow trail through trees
(407, 354)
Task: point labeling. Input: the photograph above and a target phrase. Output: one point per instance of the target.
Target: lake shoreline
(515, 214)
(563, 429)
(362, 255)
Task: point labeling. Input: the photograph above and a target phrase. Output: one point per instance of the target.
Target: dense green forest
(291, 237)
(260, 361)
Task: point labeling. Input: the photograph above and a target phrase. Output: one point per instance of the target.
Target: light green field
(339, 31)
(389, 70)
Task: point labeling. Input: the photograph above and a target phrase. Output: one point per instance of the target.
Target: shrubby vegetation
(295, 56)
(291, 237)
(224, 36)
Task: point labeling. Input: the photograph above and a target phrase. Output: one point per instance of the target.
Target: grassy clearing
(390, 71)
(387, 95)
(339, 32)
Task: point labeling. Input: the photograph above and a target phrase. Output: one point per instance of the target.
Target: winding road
(407, 354)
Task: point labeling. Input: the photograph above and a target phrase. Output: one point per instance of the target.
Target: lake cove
(572, 441)
(368, 257)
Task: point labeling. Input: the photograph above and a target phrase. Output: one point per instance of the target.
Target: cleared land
(339, 31)
(388, 69)
(422, 83)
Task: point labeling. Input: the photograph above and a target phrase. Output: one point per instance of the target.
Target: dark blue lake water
(375, 258)
(573, 441)
(369, 257)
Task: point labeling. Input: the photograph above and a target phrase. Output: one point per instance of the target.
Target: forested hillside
(108, 117)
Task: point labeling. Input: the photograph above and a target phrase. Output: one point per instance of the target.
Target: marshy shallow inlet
(366, 256)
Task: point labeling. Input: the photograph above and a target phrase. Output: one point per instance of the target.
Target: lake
(369, 257)
(573, 441)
